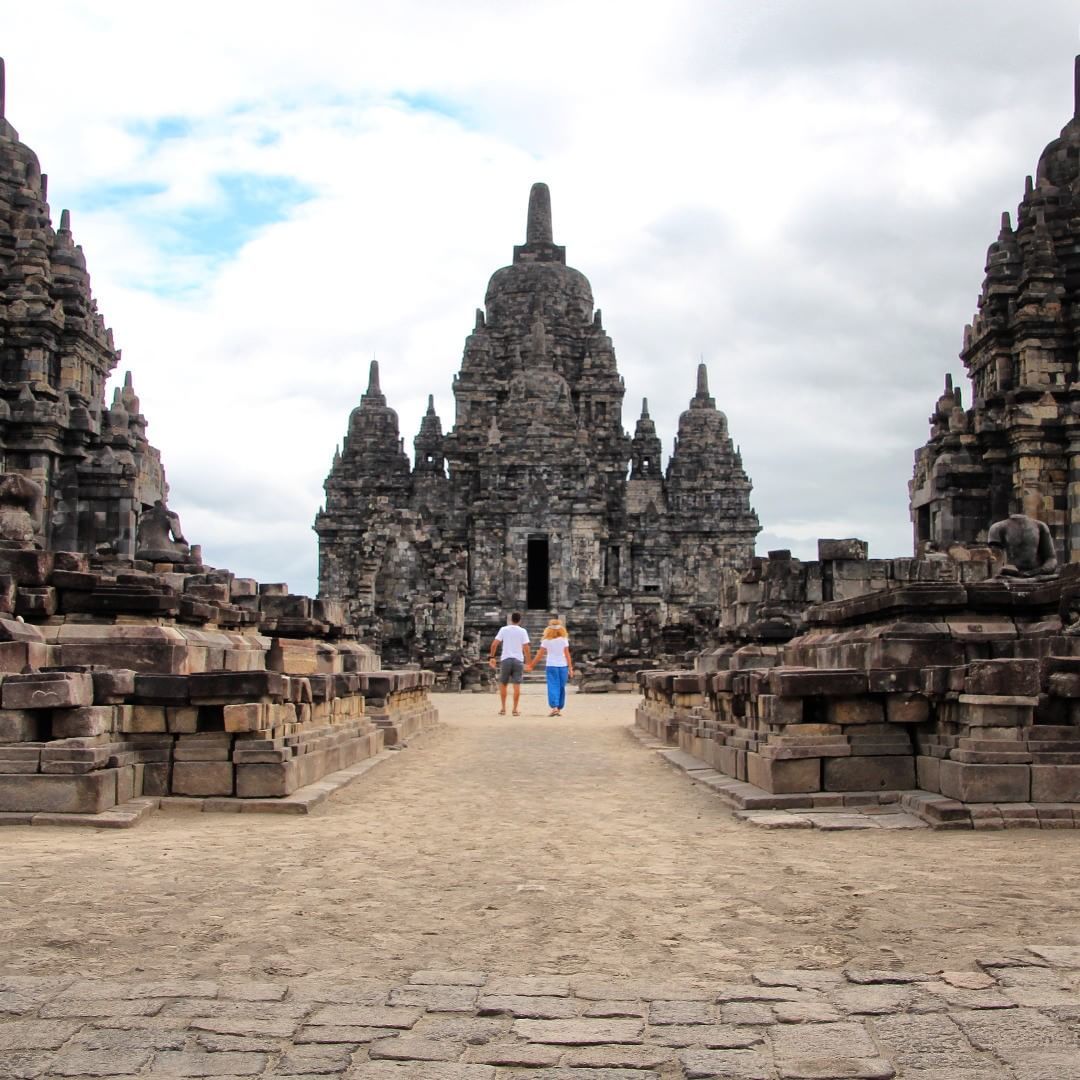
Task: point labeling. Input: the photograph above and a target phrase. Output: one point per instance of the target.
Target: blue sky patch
(110, 196)
(162, 128)
(249, 202)
(199, 237)
(433, 103)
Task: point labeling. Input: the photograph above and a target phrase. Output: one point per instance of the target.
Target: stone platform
(967, 692)
(126, 815)
(1009, 1018)
(123, 681)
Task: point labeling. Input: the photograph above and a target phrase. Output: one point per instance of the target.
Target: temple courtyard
(512, 897)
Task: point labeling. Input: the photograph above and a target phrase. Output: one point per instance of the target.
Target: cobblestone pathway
(535, 898)
(1014, 1019)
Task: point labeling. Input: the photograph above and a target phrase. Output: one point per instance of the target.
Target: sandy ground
(513, 845)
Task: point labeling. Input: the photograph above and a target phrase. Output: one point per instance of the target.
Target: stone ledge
(835, 811)
(131, 813)
(302, 801)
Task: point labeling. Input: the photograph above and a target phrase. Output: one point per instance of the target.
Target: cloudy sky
(802, 193)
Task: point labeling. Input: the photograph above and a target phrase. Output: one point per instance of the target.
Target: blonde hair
(554, 631)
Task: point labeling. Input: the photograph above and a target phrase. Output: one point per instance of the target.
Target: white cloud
(802, 195)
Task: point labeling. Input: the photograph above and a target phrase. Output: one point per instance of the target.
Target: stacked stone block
(766, 604)
(142, 681)
(971, 692)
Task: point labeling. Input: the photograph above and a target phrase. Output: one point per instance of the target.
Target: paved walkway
(1015, 1019)
(531, 897)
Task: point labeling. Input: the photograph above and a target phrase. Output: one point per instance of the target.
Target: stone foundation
(180, 681)
(970, 692)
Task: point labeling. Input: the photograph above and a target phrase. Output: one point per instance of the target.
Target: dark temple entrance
(537, 583)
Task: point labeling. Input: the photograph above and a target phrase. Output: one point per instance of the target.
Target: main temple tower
(530, 501)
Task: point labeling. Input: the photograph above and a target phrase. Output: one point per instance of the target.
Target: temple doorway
(537, 574)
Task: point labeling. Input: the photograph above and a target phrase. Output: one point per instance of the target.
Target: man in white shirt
(514, 639)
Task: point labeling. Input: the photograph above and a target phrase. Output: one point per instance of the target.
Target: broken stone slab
(47, 690)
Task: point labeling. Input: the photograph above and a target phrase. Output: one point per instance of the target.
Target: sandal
(502, 712)
(516, 713)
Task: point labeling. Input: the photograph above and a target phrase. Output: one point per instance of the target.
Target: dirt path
(511, 845)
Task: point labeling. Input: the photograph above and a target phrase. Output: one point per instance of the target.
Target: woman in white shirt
(558, 665)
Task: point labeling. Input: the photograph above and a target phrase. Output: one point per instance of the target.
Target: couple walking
(515, 661)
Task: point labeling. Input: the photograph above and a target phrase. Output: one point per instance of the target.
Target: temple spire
(538, 226)
(644, 408)
(65, 221)
(1076, 90)
(431, 405)
(702, 381)
(3, 92)
(373, 378)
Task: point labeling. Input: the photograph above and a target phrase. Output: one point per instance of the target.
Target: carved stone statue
(159, 537)
(20, 509)
(1026, 542)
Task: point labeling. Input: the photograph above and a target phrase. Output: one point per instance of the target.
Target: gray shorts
(511, 671)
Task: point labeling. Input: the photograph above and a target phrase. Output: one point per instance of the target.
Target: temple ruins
(948, 682)
(133, 676)
(536, 498)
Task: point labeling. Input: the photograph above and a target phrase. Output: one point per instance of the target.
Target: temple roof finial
(1076, 90)
(3, 93)
(431, 404)
(65, 221)
(538, 225)
(702, 380)
(373, 378)
(644, 408)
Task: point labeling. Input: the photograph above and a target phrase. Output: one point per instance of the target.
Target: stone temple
(131, 674)
(1021, 436)
(536, 498)
(93, 463)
